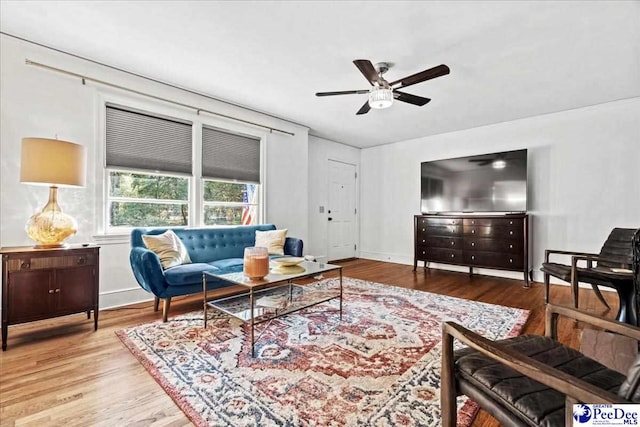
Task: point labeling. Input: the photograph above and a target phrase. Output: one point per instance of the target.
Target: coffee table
(273, 296)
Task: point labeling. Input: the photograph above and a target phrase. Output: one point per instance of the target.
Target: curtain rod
(198, 110)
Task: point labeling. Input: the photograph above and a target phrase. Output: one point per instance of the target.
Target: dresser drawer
(492, 245)
(494, 222)
(38, 263)
(444, 230)
(443, 255)
(494, 259)
(442, 242)
(509, 232)
(439, 221)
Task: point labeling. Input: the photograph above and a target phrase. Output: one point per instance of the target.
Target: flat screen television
(484, 183)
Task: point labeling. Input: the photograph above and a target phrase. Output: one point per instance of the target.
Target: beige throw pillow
(272, 240)
(169, 248)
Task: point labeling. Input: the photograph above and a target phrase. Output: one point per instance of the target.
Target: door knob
(330, 219)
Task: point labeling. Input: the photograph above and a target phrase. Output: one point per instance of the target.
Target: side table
(44, 283)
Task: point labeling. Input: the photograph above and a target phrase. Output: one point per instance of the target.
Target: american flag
(248, 196)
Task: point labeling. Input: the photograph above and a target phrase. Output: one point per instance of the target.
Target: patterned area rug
(378, 366)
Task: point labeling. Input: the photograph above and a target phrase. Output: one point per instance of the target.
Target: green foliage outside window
(141, 186)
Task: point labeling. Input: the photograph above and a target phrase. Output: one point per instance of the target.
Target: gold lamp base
(51, 227)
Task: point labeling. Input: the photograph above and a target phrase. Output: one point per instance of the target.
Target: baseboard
(123, 297)
(403, 259)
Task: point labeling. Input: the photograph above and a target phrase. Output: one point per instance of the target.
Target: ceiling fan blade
(343, 92)
(364, 109)
(431, 73)
(366, 68)
(411, 99)
(481, 162)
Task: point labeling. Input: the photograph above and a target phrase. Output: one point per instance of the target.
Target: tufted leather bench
(219, 249)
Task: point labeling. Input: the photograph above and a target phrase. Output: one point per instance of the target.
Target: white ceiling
(508, 59)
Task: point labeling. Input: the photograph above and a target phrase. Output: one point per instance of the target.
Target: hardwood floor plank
(60, 372)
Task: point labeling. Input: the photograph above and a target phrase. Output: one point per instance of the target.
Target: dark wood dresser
(43, 283)
(492, 241)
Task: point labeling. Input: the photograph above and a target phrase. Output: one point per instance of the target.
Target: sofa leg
(165, 309)
(156, 303)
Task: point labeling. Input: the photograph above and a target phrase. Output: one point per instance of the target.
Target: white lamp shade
(52, 162)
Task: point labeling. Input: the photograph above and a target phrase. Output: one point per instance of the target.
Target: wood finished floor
(60, 372)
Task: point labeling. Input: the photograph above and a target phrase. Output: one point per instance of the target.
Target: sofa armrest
(148, 271)
(293, 246)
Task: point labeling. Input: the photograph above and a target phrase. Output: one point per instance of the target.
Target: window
(137, 142)
(230, 177)
(150, 173)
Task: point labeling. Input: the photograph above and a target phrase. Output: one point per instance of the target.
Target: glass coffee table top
(277, 274)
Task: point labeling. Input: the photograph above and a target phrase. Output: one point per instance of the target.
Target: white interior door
(341, 211)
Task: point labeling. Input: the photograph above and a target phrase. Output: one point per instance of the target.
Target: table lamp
(55, 163)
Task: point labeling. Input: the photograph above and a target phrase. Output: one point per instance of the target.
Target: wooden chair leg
(156, 303)
(165, 309)
(546, 288)
(599, 295)
(574, 292)
(448, 408)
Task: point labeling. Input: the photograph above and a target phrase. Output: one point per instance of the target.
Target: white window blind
(140, 140)
(229, 156)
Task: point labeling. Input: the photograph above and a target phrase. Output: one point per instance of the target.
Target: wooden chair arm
(553, 311)
(544, 374)
(548, 252)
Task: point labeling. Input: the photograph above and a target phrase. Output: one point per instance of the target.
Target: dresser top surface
(469, 215)
(32, 249)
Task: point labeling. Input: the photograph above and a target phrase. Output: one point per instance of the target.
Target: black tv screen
(494, 182)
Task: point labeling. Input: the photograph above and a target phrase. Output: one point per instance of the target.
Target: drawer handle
(511, 260)
(50, 291)
(473, 243)
(473, 222)
(423, 240)
(473, 257)
(57, 290)
(25, 265)
(510, 222)
(473, 231)
(453, 221)
(453, 255)
(453, 243)
(423, 252)
(82, 260)
(423, 229)
(510, 246)
(511, 233)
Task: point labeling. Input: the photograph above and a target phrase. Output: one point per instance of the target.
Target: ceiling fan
(382, 93)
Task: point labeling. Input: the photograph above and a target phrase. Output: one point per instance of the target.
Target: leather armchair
(612, 267)
(532, 380)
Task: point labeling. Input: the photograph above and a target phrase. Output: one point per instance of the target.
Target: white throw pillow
(168, 247)
(272, 240)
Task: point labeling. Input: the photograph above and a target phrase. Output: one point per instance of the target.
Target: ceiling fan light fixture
(499, 164)
(380, 97)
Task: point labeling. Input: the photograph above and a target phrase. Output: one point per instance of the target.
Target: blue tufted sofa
(218, 249)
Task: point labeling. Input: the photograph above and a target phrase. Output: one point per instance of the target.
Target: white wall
(584, 179)
(37, 102)
(320, 152)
